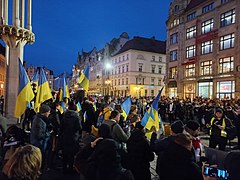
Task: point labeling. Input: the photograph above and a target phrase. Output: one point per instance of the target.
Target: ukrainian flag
(84, 78)
(126, 105)
(79, 108)
(62, 108)
(151, 117)
(85, 117)
(25, 92)
(43, 92)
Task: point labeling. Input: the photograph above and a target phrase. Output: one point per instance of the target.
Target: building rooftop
(144, 44)
(194, 3)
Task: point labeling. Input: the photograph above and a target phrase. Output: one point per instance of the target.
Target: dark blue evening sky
(64, 27)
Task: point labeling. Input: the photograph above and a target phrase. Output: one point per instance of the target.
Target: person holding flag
(151, 117)
(43, 90)
(25, 92)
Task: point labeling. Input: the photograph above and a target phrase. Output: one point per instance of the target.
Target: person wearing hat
(218, 133)
(193, 128)
(160, 145)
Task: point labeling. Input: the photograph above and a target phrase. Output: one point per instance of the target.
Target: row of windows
(225, 65)
(140, 81)
(118, 82)
(153, 68)
(120, 69)
(226, 18)
(226, 42)
(159, 58)
(205, 9)
(119, 59)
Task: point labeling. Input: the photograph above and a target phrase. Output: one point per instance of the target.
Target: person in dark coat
(69, 133)
(40, 135)
(160, 145)
(90, 120)
(139, 154)
(177, 162)
(105, 163)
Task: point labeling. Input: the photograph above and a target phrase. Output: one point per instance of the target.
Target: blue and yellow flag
(84, 78)
(151, 117)
(126, 105)
(25, 92)
(62, 108)
(43, 92)
(79, 107)
(35, 76)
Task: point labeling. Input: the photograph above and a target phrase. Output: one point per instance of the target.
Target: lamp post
(108, 66)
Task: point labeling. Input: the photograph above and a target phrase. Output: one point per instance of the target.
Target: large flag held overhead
(43, 91)
(126, 105)
(25, 92)
(84, 78)
(151, 117)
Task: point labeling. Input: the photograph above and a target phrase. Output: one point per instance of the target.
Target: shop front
(205, 89)
(225, 89)
(172, 89)
(190, 90)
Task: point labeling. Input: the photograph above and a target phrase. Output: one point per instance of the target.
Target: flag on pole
(43, 91)
(126, 105)
(25, 92)
(151, 117)
(84, 78)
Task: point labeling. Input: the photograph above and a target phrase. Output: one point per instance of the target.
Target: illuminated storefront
(189, 90)
(225, 89)
(205, 89)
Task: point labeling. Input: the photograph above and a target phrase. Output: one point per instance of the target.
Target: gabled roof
(193, 4)
(144, 44)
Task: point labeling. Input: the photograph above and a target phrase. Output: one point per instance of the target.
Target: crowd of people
(93, 139)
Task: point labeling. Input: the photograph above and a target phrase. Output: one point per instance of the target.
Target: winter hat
(44, 108)
(193, 125)
(219, 110)
(177, 127)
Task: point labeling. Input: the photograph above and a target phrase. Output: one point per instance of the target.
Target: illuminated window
(227, 18)
(226, 64)
(190, 70)
(207, 26)
(207, 47)
(191, 32)
(190, 51)
(206, 68)
(227, 41)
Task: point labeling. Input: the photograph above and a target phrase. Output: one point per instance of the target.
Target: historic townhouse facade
(139, 68)
(203, 48)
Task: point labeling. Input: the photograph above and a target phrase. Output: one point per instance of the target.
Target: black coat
(139, 155)
(91, 118)
(104, 163)
(177, 163)
(69, 130)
